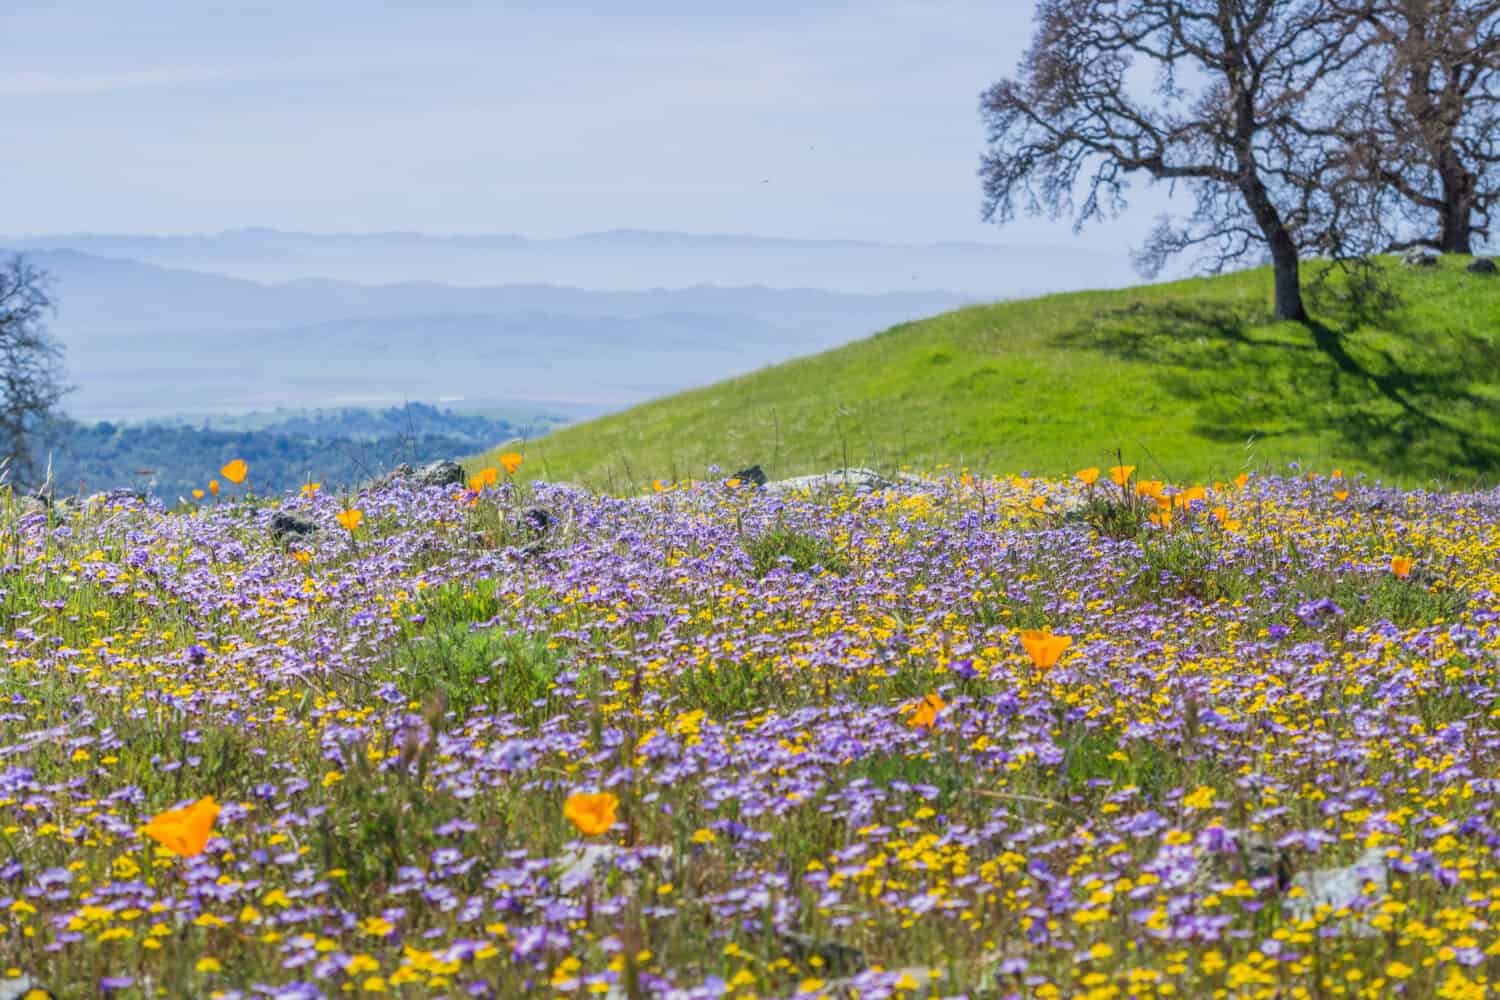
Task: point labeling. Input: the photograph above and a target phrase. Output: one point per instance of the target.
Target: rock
(285, 524)
(1340, 887)
(838, 959)
(916, 981)
(592, 864)
(442, 473)
(1482, 265)
(22, 988)
(754, 475)
(578, 868)
(537, 519)
(400, 472)
(27, 506)
(857, 480)
(1420, 257)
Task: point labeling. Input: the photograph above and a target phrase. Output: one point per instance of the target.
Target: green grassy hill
(1190, 380)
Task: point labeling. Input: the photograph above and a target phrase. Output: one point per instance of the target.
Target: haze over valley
(256, 319)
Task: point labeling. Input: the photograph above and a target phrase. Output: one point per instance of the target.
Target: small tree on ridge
(31, 377)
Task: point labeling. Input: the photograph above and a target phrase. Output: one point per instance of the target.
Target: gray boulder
(1338, 888)
(285, 525)
(754, 475)
(442, 473)
(855, 480)
(399, 473)
(1420, 257)
(1482, 265)
(21, 988)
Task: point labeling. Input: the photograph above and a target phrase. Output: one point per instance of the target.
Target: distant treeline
(334, 447)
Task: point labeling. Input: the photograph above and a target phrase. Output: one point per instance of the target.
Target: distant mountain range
(145, 340)
(255, 319)
(618, 259)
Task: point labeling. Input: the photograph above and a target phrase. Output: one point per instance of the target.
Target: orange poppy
(197, 494)
(213, 487)
(924, 714)
(1341, 495)
(511, 462)
(184, 831)
(1221, 514)
(235, 471)
(1401, 566)
(1242, 479)
(1188, 495)
(350, 518)
(1121, 473)
(1149, 488)
(592, 813)
(1044, 648)
(1088, 475)
(658, 485)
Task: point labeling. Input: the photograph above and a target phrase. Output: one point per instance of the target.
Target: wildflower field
(983, 737)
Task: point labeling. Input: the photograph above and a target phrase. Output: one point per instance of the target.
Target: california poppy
(308, 489)
(1341, 495)
(1188, 495)
(1242, 479)
(1121, 473)
(1401, 566)
(489, 475)
(197, 494)
(924, 714)
(592, 813)
(511, 462)
(658, 485)
(350, 518)
(1044, 648)
(235, 471)
(1221, 514)
(213, 487)
(1088, 475)
(185, 831)
(1149, 488)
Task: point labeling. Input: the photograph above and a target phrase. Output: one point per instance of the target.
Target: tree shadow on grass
(1402, 398)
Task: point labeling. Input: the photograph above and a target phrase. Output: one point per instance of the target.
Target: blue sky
(801, 119)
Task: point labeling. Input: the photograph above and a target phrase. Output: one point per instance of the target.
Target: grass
(1191, 380)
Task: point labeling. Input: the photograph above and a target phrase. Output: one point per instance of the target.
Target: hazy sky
(801, 118)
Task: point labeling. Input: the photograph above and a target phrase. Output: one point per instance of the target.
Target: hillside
(1189, 380)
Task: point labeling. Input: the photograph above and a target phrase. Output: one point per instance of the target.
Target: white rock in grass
(1338, 888)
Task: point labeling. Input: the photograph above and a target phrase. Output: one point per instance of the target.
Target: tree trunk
(1286, 268)
(1285, 261)
(1458, 205)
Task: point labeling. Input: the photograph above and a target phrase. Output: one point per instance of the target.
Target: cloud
(33, 84)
